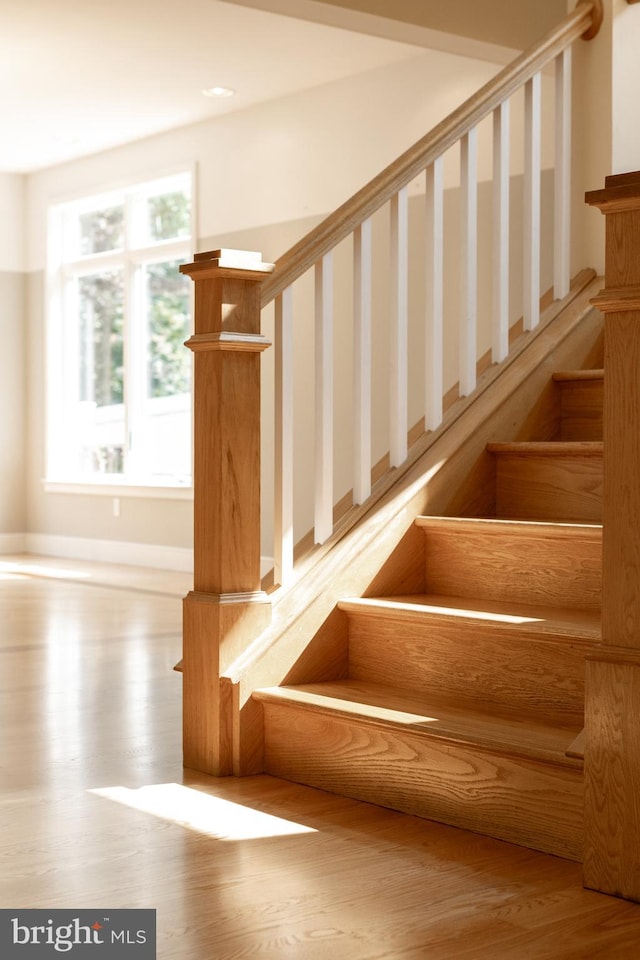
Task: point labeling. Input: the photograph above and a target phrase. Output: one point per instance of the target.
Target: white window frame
(60, 270)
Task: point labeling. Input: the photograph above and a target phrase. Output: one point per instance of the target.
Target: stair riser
(515, 567)
(536, 805)
(581, 410)
(472, 662)
(563, 489)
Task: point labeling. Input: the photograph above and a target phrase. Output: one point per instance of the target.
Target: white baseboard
(111, 551)
(13, 543)
(106, 551)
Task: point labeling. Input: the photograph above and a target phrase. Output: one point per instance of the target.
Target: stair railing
(316, 253)
(227, 615)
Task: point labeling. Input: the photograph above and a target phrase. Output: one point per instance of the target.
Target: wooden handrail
(584, 21)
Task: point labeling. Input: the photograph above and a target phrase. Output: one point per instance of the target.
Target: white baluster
(435, 296)
(467, 335)
(501, 170)
(324, 399)
(362, 362)
(398, 408)
(532, 142)
(562, 211)
(284, 403)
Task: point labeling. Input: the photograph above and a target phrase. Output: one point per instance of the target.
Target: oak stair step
(487, 653)
(550, 480)
(581, 403)
(499, 773)
(528, 562)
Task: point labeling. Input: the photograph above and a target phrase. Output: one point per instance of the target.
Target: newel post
(612, 750)
(226, 609)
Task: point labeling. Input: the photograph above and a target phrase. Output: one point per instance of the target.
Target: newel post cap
(228, 263)
(621, 193)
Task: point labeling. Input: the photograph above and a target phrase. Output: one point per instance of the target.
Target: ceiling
(82, 76)
(509, 23)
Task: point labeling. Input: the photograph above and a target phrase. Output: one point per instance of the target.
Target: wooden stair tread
(541, 620)
(548, 448)
(568, 375)
(502, 730)
(495, 525)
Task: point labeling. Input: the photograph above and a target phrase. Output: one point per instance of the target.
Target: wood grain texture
(581, 404)
(214, 633)
(612, 720)
(482, 654)
(507, 731)
(227, 608)
(226, 427)
(537, 563)
(621, 558)
(454, 777)
(612, 765)
(549, 481)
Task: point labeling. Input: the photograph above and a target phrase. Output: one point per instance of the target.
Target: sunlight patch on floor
(203, 813)
(13, 568)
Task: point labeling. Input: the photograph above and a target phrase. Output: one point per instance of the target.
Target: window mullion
(94, 263)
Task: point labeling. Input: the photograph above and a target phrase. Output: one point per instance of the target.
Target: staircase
(436, 571)
(465, 704)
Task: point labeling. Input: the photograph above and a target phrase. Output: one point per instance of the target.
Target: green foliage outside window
(101, 297)
(168, 300)
(169, 216)
(101, 230)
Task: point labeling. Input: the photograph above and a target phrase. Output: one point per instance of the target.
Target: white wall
(281, 161)
(12, 361)
(606, 129)
(592, 140)
(625, 87)
(265, 175)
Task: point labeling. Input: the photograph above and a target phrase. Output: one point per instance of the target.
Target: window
(119, 376)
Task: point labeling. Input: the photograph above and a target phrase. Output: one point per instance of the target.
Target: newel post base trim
(215, 632)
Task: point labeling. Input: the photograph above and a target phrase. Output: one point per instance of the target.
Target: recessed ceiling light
(218, 92)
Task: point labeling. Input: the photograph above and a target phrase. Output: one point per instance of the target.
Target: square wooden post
(226, 609)
(612, 719)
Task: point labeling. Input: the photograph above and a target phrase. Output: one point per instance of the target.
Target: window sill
(119, 488)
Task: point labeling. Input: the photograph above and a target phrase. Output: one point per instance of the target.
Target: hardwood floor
(98, 812)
